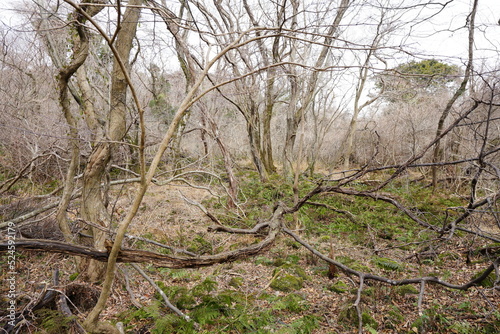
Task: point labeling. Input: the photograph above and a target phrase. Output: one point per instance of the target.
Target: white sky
(455, 44)
(6, 14)
(440, 44)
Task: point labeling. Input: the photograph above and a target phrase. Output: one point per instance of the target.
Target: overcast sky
(454, 44)
(445, 39)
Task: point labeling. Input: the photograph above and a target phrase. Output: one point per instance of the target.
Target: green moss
(320, 270)
(406, 290)
(293, 244)
(346, 260)
(432, 320)
(286, 282)
(394, 317)
(73, 276)
(349, 315)
(489, 281)
(338, 287)
(264, 260)
(200, 246)
(52, 321)
(293, 269)
(293, 303)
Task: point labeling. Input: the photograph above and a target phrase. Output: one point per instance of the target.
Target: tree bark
(94, 196)
(80, 54)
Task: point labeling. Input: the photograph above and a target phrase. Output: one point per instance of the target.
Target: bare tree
(274, 69)
(94, 196)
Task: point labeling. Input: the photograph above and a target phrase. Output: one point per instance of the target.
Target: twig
(493, 307)
(160, 291)
(134, 300)
(349, 215)
(421, 297)
(482, 235)
(201, 207)
(270, 282)
(357, 303)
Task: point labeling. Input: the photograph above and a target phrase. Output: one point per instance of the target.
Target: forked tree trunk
(94, 195)
(295, 114)
(80, 54)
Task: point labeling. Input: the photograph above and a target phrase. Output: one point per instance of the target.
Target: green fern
(180, 274)
(150, 311)
(205, 314)
(292, 302)
(180, 296)
(387, 264)
(173, 324)
(305, 325)
(250, 321)
(207, 286)
(164, 325)
(52, 321)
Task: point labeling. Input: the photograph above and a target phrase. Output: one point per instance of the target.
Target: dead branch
(157, 259)
(44, 299)
(63, 307)
(383, 197)
(470, 210)
(128, 236)
(389, 199)
(482, 235)
(28, 215)
(349, 215)
(134, 300)
(418, 280)
(160, 291)
(7, 184)
(202, 208)
(357, 303)
(421, 297)
(220, 227)
(256, 229)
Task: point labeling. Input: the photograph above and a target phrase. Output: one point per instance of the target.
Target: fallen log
(139, 256)
(157, 259)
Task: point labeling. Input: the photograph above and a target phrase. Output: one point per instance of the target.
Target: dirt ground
(165, 216)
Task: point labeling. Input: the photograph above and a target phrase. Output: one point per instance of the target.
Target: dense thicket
(313, 122)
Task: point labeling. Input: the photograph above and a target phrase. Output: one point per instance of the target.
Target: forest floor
(240, 297)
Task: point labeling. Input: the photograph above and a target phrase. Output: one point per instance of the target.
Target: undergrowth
(221, 311)
(375, 238)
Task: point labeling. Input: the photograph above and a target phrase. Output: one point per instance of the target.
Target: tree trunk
(437, 153)
(295, 115)
(254, 137)
(267, 147)
(94, 195)
(80, 54)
